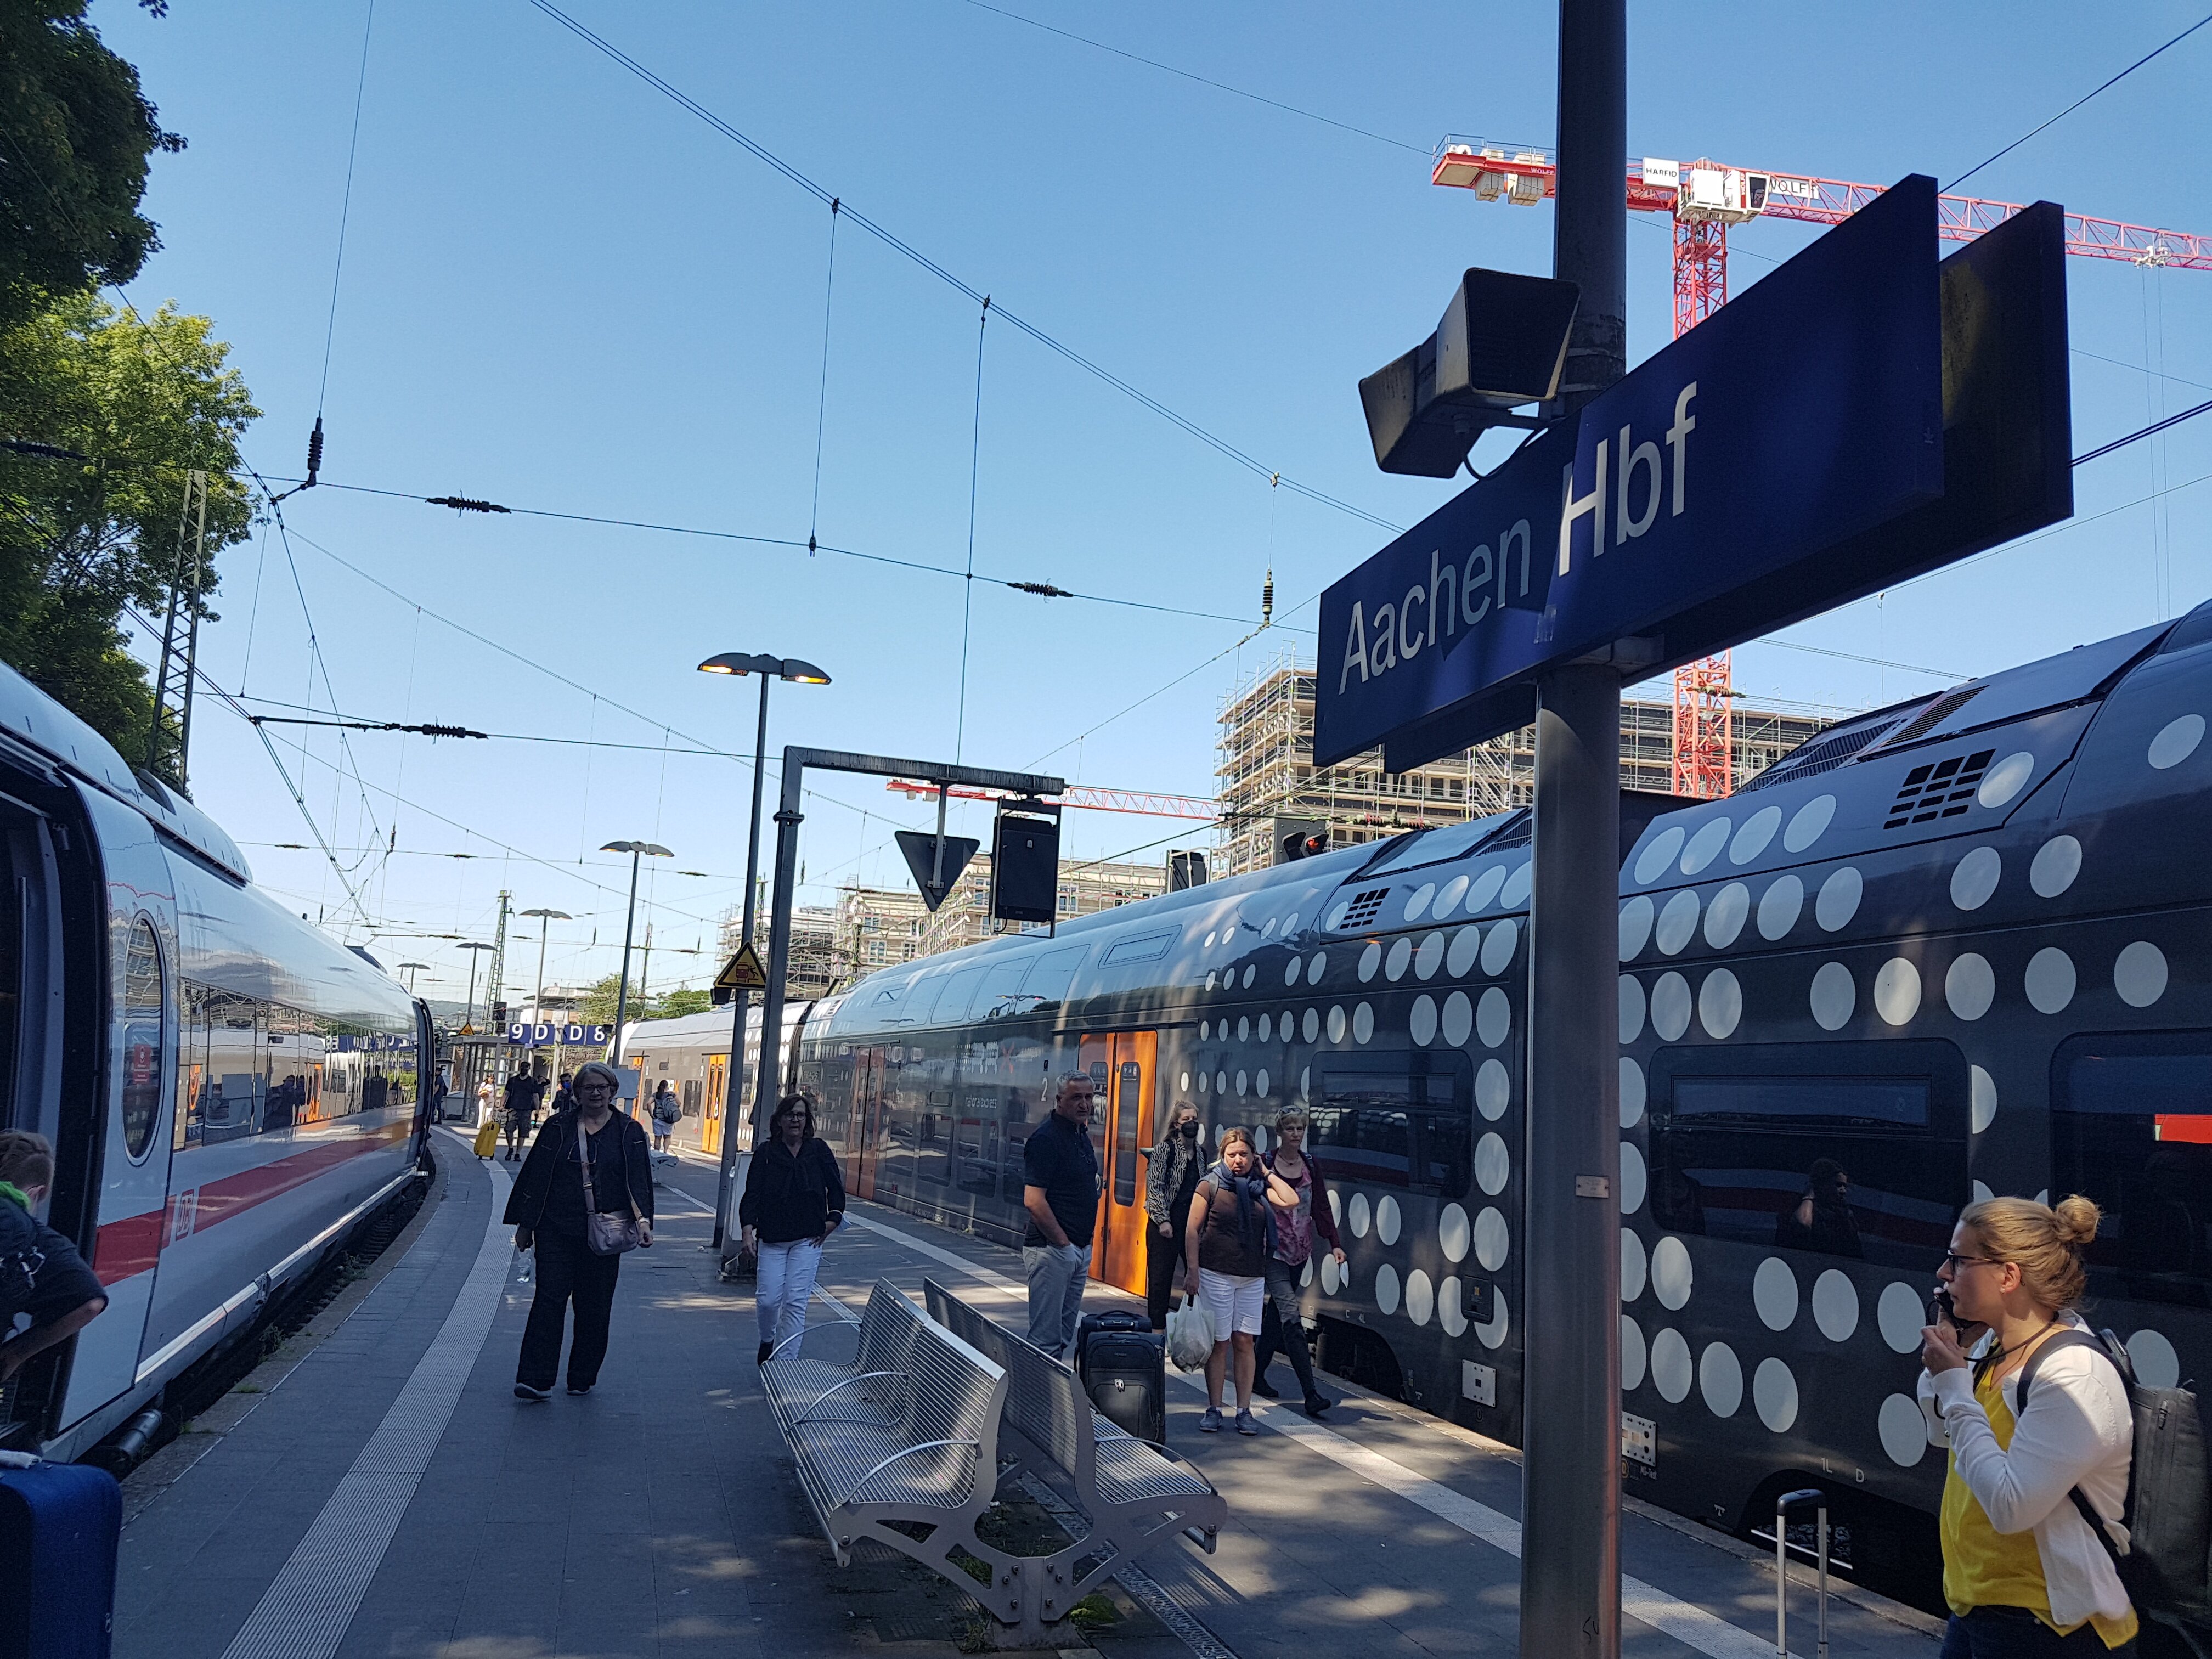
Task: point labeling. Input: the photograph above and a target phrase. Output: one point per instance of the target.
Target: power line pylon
(173, 683)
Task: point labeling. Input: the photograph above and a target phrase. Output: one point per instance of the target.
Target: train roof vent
(1823, 756)
(1365, 906)
(1936, 714)
(1939, 789)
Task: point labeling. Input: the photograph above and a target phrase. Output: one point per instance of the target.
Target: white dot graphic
(1260, 1088)
(1493, 1239)
(1313, 966)
(1808, 823)
(1268, 932)
(1305, 1276)
(1635, 925)
(1336, 916)
(1335, 1207)
(2057, 861)
(1975, 877)
(1758, 829)
(1421, 1022)
(1970, 986)
(1485, 888)
(1205, 1031)
(1336, 1024)
(1720, 1003)
(1290, 971)
(2157, 1365)
(1494, 1017)
(1834, 996)
(1720, 1379)
(1451, 1308)
(1632, 1178)
(1420, 1297)
(2139, 974)
(1897, 991)
(1359, 1215)
(1836, 1305)
(1632, 1093)
(1780, 906)
(1774, 1395)
(1774, 1294)
(1493, 1089)
(1632, 1008)
(1331, 1274)
(1982, 1089)
(1899, 1316)
(1671, 1274)
(1452, 1234)
(1429, 957)
(2006, 779)
(1498, 945)
(1904, 1430)
(1706, 845)
(1418, 901)
(1459, 960)
(1446, 899)
(1677, 923)
(1184, 1085)
(1492, 1163)
(1305, 1084)
(1210, 937)
(1670, 1005)
(1515, 891)
(1386, 1288)
(2177, 741)
(1982, 1193)
(1248, 972)
(1726, 915)
(1493, 1333)
(1652, 862)
(1839, 898)
(1243, 1030)
(1309, 1027)
(1631, 1354)
(1633, 1265)
(2050, 980)
(1387, 1219)
(1458, 1019)
(1221, 1083)
(1671, 1369)
(1205, 1083)
(1370, 959)
(1402, 954)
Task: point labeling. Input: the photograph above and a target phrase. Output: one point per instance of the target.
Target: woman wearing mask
(794, 1199)
(1231, 1231)
(1170, 1180)
(1281, 1326)
(2023, 1570)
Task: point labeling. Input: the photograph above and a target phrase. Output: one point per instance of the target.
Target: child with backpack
(2035, 1504)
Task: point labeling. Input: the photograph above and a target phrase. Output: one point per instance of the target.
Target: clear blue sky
(562, 291)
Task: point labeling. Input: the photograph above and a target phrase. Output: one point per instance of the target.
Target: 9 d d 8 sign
(1750, 474)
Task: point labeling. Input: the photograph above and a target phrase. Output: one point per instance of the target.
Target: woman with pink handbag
(583, 1199)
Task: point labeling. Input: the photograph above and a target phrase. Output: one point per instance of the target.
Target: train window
(932, 1140)
(2132, 1128)
(1048, 982)
(1146, 947)
(950, 1005)
(1855, 1151)
(141, 1040)
(976, 1144)
(1128, 1106)
(1001, 995)
(1398, 1120)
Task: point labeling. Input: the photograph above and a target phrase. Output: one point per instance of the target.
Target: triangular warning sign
(742, 972)
(919, 846)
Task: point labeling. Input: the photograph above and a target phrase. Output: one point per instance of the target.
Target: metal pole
(788, 820)
(726, 1203)
(622, 985)
(1571, 1482)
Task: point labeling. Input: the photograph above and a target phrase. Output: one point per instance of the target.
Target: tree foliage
(75, 135)
(598, 1006)
(145, 400)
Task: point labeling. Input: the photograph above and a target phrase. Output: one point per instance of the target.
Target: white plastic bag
(1190, 1336)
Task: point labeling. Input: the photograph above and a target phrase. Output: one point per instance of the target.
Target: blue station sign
(1736, 481)
(546, 1034)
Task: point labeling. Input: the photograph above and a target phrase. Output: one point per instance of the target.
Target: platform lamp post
(545, 921)
(410, 968)
(798, 673)
(637, 850)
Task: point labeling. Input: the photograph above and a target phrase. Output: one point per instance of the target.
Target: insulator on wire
(314, 453)
(1268, 599)
(1042, 590)
(466, 504)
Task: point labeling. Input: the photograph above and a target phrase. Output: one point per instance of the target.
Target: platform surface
(377, 1492)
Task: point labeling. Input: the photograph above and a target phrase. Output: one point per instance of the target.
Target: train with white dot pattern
(1954, 947)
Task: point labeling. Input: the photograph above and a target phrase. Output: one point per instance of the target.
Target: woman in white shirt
(2022, 1572)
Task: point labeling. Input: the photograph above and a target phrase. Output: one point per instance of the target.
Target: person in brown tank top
(1231, 1230)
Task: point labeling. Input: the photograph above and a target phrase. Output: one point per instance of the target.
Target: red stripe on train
(133, 1244)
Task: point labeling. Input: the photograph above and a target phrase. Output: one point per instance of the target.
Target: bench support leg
(1046, 1597)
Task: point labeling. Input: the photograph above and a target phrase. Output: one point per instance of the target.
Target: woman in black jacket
(794, 1199)
(548, 1209)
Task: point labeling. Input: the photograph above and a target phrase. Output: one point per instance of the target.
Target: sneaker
(524, 1391)
(1209, 1423)
(1245, 1425)
(1317, 1403)
(766, 1349)
(573, 1388)
(1264, 1389)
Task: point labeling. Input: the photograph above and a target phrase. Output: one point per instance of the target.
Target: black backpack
(2168, 1513)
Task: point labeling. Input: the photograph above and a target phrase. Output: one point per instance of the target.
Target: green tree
(598, 1003)
(674, 1003)
(146, 400)
(75, 134)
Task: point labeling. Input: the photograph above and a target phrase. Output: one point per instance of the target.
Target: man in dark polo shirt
(1060, 1189)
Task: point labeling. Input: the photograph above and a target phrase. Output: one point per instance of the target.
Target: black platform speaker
(1025, 868)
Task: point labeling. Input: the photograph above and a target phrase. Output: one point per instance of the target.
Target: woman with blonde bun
(2022, 1571)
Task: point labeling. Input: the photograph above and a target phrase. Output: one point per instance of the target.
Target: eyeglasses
(1954, 1261)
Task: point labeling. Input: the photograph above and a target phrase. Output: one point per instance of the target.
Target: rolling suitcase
(1121, 1362)
(60, 1524)
(488, 1138)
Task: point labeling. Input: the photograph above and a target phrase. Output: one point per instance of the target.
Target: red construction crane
(1705, 198)
(1145, 803)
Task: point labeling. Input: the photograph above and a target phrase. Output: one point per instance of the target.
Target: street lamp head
(549, 916)
(802, 672)
(649, 848)
(424, 965)
(741, 663)
(475, 947)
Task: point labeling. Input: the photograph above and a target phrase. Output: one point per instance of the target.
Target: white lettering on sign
(1805, 189)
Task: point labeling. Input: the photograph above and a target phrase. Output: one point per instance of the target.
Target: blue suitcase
(60, 1525)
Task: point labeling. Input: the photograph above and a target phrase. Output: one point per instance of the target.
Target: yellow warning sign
(742, 972)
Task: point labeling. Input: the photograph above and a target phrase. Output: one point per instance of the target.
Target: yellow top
(1986, 1568)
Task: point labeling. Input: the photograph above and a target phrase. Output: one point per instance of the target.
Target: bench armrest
(863, 1377)
(908, 1451)
(1175, 1456)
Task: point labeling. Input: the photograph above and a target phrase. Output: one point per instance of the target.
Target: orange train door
(1120, 1064)
(710, 1108)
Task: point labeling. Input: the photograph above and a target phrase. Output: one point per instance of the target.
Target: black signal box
(1025, 868)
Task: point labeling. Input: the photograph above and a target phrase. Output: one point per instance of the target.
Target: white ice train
(227, 1089)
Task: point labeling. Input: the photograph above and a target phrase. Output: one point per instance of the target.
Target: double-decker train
(1954, 947)
(227, 1088)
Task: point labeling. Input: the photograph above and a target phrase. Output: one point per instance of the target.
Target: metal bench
(869, 1388)
(1133, 1492)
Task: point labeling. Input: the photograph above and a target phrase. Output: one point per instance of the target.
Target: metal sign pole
(769, 1087)
(726, 1202)
(1571, 1482)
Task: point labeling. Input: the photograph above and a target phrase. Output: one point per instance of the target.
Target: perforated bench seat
(1128, 1472)
(844, 1463)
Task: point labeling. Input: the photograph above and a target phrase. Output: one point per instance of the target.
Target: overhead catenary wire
(822, 399)
(968, 588)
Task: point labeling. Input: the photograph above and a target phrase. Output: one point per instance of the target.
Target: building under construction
(1267, 774)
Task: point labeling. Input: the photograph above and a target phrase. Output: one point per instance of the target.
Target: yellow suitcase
(487, 1139)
